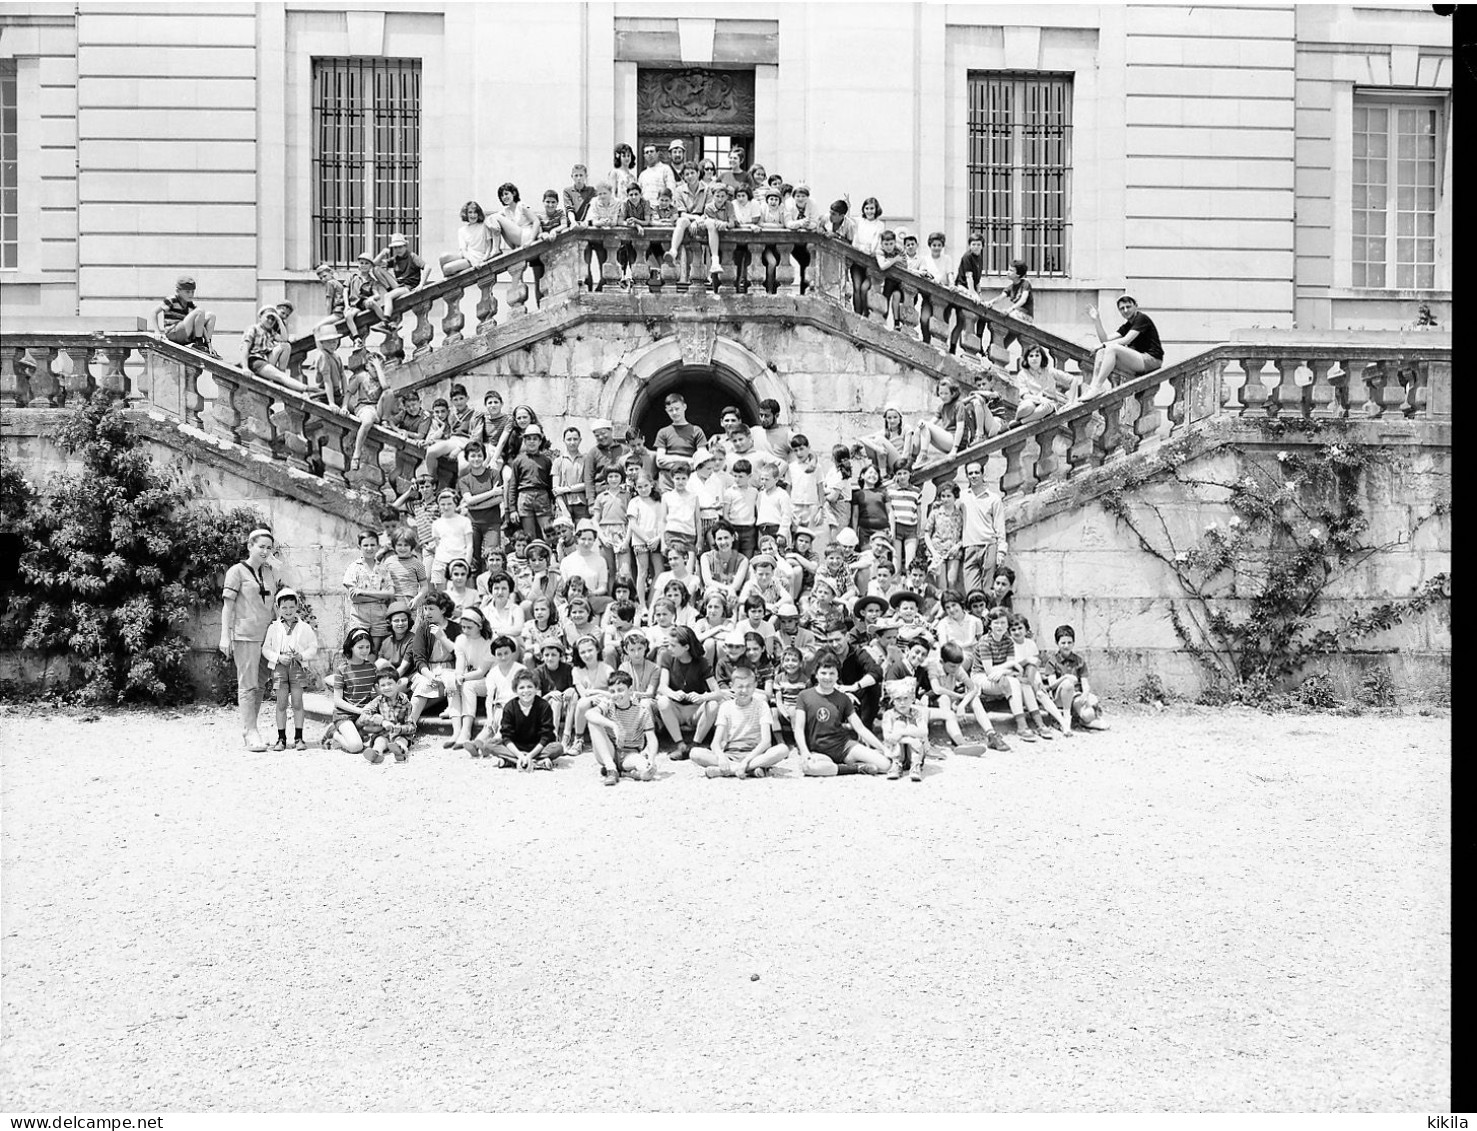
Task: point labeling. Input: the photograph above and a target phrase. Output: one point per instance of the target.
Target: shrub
(116, 561)
(1151, 689)
(1317, 691)
(1377, 689)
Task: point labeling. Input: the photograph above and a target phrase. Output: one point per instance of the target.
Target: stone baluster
(1233, 380)
(335, 434)
(785, 277)
(907, 301)
(518, 292)
(370, 475)
(291, 431)
(15, 378)
(79, 385)
(756, 249)
(1146, 425)
(1085, 452)
(1253, 393)
(1379, 396)
(453, 320)
(1051, 461)
(407, 462)
(390, 344)
(610, 270)
(1293, 399)
(115, 380)
(192, 403)
(643, 275)
(1329, 394)
(45, 389)
(225, 413)
(243, 413)
(1111, 442)
(487, 304)
(827, 270)
(1413, 379)
(1015, 478)
(1180, 390)
(424, 330)
(295, 362)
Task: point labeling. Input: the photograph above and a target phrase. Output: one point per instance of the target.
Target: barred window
(366, 155)
(9, 170)
(1020, 166)
(1396, 184)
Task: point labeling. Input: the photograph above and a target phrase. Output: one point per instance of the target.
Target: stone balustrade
(264, 418)
(449, 310)
(1237, 382)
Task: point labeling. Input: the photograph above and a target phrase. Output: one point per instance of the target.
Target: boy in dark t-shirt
(828, 733)
(1135, 347)
(967, 279)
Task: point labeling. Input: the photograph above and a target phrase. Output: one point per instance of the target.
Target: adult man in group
(984, 529)
(770, 435)
(656, 175)
(1135, 347)
(246, 614)
(678, 440)
(676, 158)
(859, 674)
(608, 452)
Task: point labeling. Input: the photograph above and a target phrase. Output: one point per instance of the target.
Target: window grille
(9, 169)
(366, 155)
(1020, 166)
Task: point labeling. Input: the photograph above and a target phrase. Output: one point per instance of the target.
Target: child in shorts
(385, 721)
(526, 736)
(290, 644)
(905, 730)
(1029, 658)
(784, 689)
(743, 743)
(556, 681)
(636, 662)
(623, 733)
(1065, 676)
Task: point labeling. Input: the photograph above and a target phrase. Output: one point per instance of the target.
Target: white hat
(602, 423)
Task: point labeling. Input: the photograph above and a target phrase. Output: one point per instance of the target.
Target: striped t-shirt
(903, 502)
(356, 685)
(631, 724)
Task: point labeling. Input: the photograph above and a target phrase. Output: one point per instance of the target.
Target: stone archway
(710, 370)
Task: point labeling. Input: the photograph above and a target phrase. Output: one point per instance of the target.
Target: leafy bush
(1377, 689)
(1317, 691)
(1151, 689)
(117, 559)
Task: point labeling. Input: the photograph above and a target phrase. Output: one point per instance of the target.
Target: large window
(366, 155)
(1396, 183)
(9, 170)
(1020, 164)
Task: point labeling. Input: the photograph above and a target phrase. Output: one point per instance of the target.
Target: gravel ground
(1204, 911)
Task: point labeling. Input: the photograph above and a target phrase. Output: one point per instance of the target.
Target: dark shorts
(535, 503)
(902, 531)
(680, 543)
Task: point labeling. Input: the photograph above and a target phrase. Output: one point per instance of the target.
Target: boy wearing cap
(178, 319)
(384, 720)
(763, 584)
(529, 485)
(290, 644)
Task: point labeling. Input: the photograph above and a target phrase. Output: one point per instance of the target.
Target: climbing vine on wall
(1255, 584)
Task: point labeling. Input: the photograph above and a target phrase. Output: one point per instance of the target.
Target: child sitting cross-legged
(743, 743)
(623, 733)
(385, 720)
(526, 736)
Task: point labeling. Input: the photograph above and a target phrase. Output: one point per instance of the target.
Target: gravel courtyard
(1218, 911)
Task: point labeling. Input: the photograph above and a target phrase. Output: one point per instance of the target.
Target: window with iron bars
(366, 155)
(1020, 169)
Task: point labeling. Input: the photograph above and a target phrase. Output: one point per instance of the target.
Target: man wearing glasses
(984, 529)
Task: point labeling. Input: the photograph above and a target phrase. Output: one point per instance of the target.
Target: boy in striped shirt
(903, 503)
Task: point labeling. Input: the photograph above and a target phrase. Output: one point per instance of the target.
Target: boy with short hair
(967, 279)
(482, 502)
(904, 502)
(829, 735)
(743, 743)
(775, 513)
(178, 319)
(741, 507)
(386, 717)
(683, 529)
(451, 533)
(623, 733)
(290, 644)
(1065, 674)
(526, 732)
(889, 254)
(577, 196)
(999, 676)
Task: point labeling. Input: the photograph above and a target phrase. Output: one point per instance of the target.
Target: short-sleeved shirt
(826, 718)
(1147, 341)
(407, 575)
(479, 483)
(679, 440)
(1058, 665)
(743, 722)
(692, 676)
(971, 267)
(631, 723)
(252, 591)
(1014, 292)
(549, 679)
(577, 200)
(356, 685)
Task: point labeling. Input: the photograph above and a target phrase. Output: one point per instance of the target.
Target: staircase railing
(1236, 381)
(262, 417)
(440, 313)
